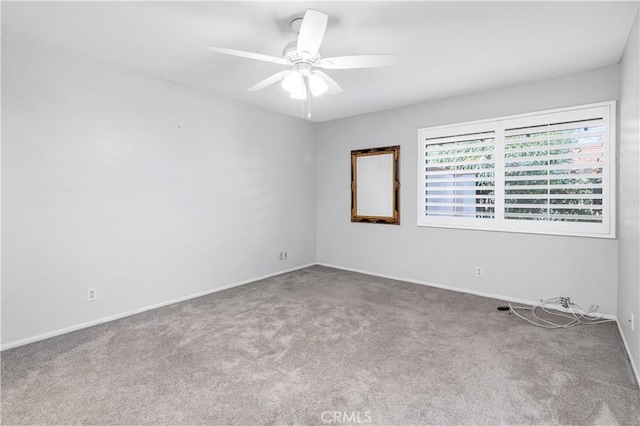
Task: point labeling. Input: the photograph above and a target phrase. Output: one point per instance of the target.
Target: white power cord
(576, 314)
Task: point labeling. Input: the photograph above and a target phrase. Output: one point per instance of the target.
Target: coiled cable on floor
(576, 315)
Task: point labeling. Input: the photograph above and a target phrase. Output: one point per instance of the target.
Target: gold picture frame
(375, 185)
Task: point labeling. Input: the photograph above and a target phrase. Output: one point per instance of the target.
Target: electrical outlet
(631, 321)
(92, 294)
(282, 255)
(479, 271)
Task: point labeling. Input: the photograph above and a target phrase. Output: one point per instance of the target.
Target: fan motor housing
(291, 53)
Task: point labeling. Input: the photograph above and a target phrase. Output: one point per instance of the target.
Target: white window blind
(547, 172)
(459, 176)
(554, 172)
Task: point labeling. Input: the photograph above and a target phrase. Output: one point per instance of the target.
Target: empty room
(353, 212)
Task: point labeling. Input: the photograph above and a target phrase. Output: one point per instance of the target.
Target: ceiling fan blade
(356, 61)
(250, 55)
(312, 31)
(269, 81)
(333, 87)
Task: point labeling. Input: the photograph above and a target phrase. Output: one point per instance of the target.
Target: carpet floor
(323, 346)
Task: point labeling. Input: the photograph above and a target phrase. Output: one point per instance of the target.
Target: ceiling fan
(305, 79)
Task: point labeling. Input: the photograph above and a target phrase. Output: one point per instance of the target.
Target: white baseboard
(66, 330)
(493, 296)
(456, 289)
(626, 347)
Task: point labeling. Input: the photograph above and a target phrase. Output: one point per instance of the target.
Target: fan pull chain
(307, 104)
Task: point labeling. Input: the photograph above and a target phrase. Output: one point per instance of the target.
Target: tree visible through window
(555, 172)
(550, 172)
(460, 176)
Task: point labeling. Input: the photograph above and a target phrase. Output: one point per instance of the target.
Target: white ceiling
(444, 48)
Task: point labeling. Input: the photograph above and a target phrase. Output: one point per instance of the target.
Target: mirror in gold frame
(375, 185)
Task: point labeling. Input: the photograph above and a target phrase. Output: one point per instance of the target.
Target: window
(549, 172)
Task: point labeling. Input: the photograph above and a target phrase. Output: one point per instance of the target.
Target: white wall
(518, 266)
(151, 192)
(629, 187)
(147, 190)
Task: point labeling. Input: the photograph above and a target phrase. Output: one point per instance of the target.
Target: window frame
(605, 229)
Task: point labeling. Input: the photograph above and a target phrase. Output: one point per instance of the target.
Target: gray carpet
(322, 346)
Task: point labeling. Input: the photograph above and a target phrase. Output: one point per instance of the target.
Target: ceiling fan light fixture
(300, 94)
(305, 80)
(293, 83)
(317, 85)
